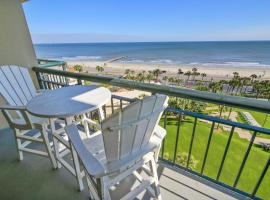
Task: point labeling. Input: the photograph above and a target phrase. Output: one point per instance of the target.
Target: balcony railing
(194, 141)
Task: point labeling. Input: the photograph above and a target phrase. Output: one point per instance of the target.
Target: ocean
(237, 54)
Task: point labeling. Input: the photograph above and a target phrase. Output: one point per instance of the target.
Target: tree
(127, 71)
(203, 75)
(180, 72)
(78, 68)
(165, 78)
(184, 104)
(99, 68)
(195, 72)
(141, 77)
(216, 87)
(235, 74)
(171, 79)
(149, 76)
(253, 77)
(188, 74)
(157, 72)
(246, 81)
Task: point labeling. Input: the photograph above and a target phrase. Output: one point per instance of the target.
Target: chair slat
(13, 80)
(127, 135)
(146, 109)
(8, 87)
(111, 138)
(28, 81)
(16, 85)
(21, 82)
(160, 101)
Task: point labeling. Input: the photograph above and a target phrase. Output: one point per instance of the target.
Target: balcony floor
(33, 178)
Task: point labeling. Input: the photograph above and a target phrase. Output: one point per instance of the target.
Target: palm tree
(171, 79)
(257, 87)
(180, 72)
(78, 68)
(235, 74)
(141, 77)
(188, 74)
(99, 68)
(195, 72)
(165, 78)
(149, 76)
(203, 75)
(253, 76)
(127, 71)
(127, 74)
(246, 82)
(157, 72)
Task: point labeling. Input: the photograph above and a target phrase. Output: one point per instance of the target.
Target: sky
(75, 21)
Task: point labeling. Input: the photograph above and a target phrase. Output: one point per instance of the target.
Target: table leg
(55, 142)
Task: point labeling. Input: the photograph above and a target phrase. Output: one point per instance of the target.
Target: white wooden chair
(17, 88)
(129, 141)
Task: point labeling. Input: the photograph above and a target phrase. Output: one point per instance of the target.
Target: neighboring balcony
(202, 157)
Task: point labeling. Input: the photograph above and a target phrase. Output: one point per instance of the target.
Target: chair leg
(92, 188)
(106, 193)
(77, 168)
(101, 114)
(18, 144)
(44, 135)
(153, 167)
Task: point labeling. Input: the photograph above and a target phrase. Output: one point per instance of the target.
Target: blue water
(238, 54)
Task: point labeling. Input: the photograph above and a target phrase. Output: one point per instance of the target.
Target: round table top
(68, 101)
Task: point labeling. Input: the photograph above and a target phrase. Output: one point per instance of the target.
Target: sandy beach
(212, 71)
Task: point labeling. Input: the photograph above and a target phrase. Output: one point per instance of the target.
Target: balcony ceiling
(23, 1)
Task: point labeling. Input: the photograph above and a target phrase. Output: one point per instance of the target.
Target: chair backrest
(130, 129)
(16, 85)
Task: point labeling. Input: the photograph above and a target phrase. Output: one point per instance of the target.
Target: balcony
(202, 157)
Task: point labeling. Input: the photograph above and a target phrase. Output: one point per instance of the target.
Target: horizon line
(268, 40)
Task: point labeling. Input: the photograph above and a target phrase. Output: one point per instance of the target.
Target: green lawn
(253, 167)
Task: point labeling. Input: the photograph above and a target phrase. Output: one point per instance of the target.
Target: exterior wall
(15, 41)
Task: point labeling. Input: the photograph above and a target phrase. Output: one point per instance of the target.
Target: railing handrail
(50, 63)
(221, 99)
(265, 131)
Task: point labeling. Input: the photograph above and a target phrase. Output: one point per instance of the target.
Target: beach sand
(215, 72)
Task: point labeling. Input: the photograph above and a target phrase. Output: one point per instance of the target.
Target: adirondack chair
(17, 88)
(129, 141)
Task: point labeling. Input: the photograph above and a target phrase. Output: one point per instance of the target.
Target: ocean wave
(233, 64)
(132, 61)
(167, 61)
(158, 61)
(82, 58)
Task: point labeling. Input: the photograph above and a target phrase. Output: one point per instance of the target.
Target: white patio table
(66, 103)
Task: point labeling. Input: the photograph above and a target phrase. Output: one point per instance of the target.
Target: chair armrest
(9, 107)
(160, 132)
(23, 123)
(91, 164)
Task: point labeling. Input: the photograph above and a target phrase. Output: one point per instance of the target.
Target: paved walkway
(241, 132)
